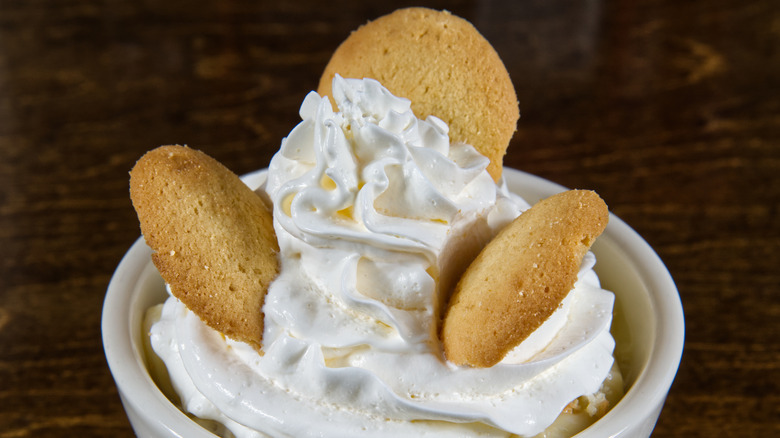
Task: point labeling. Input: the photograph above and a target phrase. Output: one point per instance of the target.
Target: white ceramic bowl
(648, 326)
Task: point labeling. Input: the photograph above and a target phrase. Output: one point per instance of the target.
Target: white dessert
(376, 215)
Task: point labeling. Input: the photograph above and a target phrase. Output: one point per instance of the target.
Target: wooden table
(670, 110)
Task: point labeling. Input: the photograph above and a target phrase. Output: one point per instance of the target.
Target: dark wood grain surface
(670, 110)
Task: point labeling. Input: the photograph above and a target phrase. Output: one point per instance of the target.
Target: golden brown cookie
(212, 237)
(520, 278)
(444, 66)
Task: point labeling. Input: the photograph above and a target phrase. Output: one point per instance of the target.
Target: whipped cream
(377, 214)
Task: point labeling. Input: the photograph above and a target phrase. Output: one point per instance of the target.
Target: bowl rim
(652, 384)
(140, 393)
(137, 390)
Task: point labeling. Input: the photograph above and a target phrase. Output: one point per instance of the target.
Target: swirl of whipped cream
(373, 208)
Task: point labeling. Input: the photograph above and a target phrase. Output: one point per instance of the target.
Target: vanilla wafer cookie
(212, 237)
(520, 278)
(444, 66)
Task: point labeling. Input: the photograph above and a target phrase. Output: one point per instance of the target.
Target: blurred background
(670, 110)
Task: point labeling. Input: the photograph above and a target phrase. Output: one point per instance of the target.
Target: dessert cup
(648, 327)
